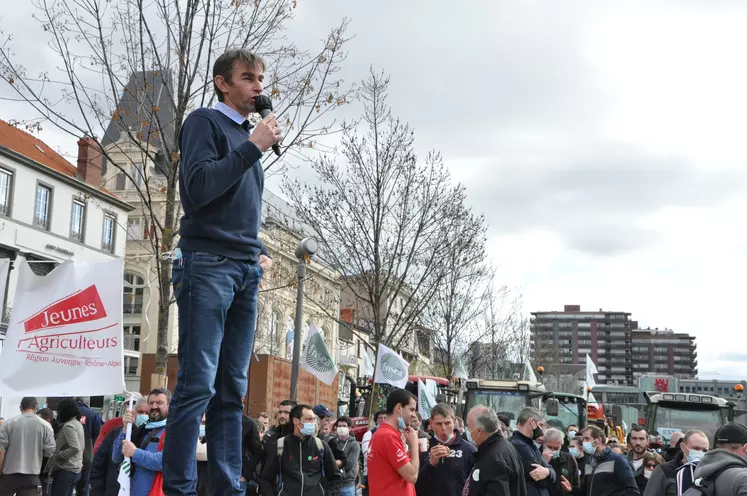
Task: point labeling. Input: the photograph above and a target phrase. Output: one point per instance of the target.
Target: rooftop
(19, 142)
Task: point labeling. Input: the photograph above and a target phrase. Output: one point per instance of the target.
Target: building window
(135, 229)
(107, 242)
(77, 217)
(6, 183)
(130, 366)
(132, 338)
(132, 299)
(42, 206)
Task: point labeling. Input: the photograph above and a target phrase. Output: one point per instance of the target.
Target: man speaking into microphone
(217, 270)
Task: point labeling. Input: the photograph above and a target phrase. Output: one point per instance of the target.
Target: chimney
(571, 308)
(89, 161)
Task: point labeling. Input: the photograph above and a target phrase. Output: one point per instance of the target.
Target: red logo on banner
(82, 306)
(661, 385)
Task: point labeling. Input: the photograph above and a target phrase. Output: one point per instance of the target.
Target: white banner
(426, 400)
(65, 332)
(316, 357)
(391, 368)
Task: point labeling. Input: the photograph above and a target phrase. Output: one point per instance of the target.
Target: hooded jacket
(498, 470)
(301, 470)
(349, 452)
(732, 481)
(447, 478)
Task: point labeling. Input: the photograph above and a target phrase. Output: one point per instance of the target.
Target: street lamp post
(304, 251)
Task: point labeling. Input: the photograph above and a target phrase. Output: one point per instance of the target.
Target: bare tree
(383, 217)
(504, 344)
(136, 68)
(462, 296)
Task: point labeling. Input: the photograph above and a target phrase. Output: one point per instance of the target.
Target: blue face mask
(571, 434)
(141, 419)
(308, 429)
(694, 456)
(202, 431)
(573, 452)
(589, 448)
(555, 454)
(538, 445)
(401, 423)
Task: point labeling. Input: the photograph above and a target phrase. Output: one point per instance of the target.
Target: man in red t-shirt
(391, 470)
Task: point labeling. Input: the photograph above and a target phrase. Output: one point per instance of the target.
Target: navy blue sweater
(220, 183)
(530, 455)
(449, 476)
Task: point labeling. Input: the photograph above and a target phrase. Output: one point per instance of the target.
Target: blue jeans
(217, 299)
(347, 491)
(63, 482)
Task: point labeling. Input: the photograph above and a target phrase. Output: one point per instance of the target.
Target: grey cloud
(594, 201)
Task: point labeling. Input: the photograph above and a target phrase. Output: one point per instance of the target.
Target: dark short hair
(636, 428)
(297, 411)
(378, 414)
(162, 391)
(398, 397)
(506, 421)
(224, 66)
(596, 433)
(29, 403)
(67, 409)
(263, 414)
(344, 420)
(289, 403)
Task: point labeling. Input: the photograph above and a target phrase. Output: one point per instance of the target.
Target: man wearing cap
(326, 419)
(727, 464)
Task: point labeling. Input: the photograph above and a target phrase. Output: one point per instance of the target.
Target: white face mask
(343, 432)
(647, 473)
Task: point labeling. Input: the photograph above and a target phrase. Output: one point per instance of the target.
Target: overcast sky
(604, 141)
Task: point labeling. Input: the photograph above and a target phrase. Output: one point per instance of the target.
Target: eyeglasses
(651, 466)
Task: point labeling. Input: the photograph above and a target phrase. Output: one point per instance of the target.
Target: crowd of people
(310, 452)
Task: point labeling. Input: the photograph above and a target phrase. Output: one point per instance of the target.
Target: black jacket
(299, 473)
(251, 448)
(612, 476)
(498, 470)
(530, 455)
(564, 465)
(448, 477)
(104, 471)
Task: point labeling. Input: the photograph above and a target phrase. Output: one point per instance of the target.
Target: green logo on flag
(392, 368)
(317, 355)
(424, 401)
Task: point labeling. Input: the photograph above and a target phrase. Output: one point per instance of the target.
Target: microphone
(263, 105)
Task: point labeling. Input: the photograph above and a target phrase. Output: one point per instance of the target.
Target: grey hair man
(565, 466)
(498, 470)
(540, 477)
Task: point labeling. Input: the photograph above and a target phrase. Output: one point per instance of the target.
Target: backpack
(706, 486)
(281, 447)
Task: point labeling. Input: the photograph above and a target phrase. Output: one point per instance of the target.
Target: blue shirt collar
(230, 113)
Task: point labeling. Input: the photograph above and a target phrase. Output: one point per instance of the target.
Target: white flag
(459, 371)
(368, 368)
(591, 400)
(316, 357)
(426, 400)
(528, 373)
(591, 369)
(391, 368)
(125, 469)
(65, 332)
